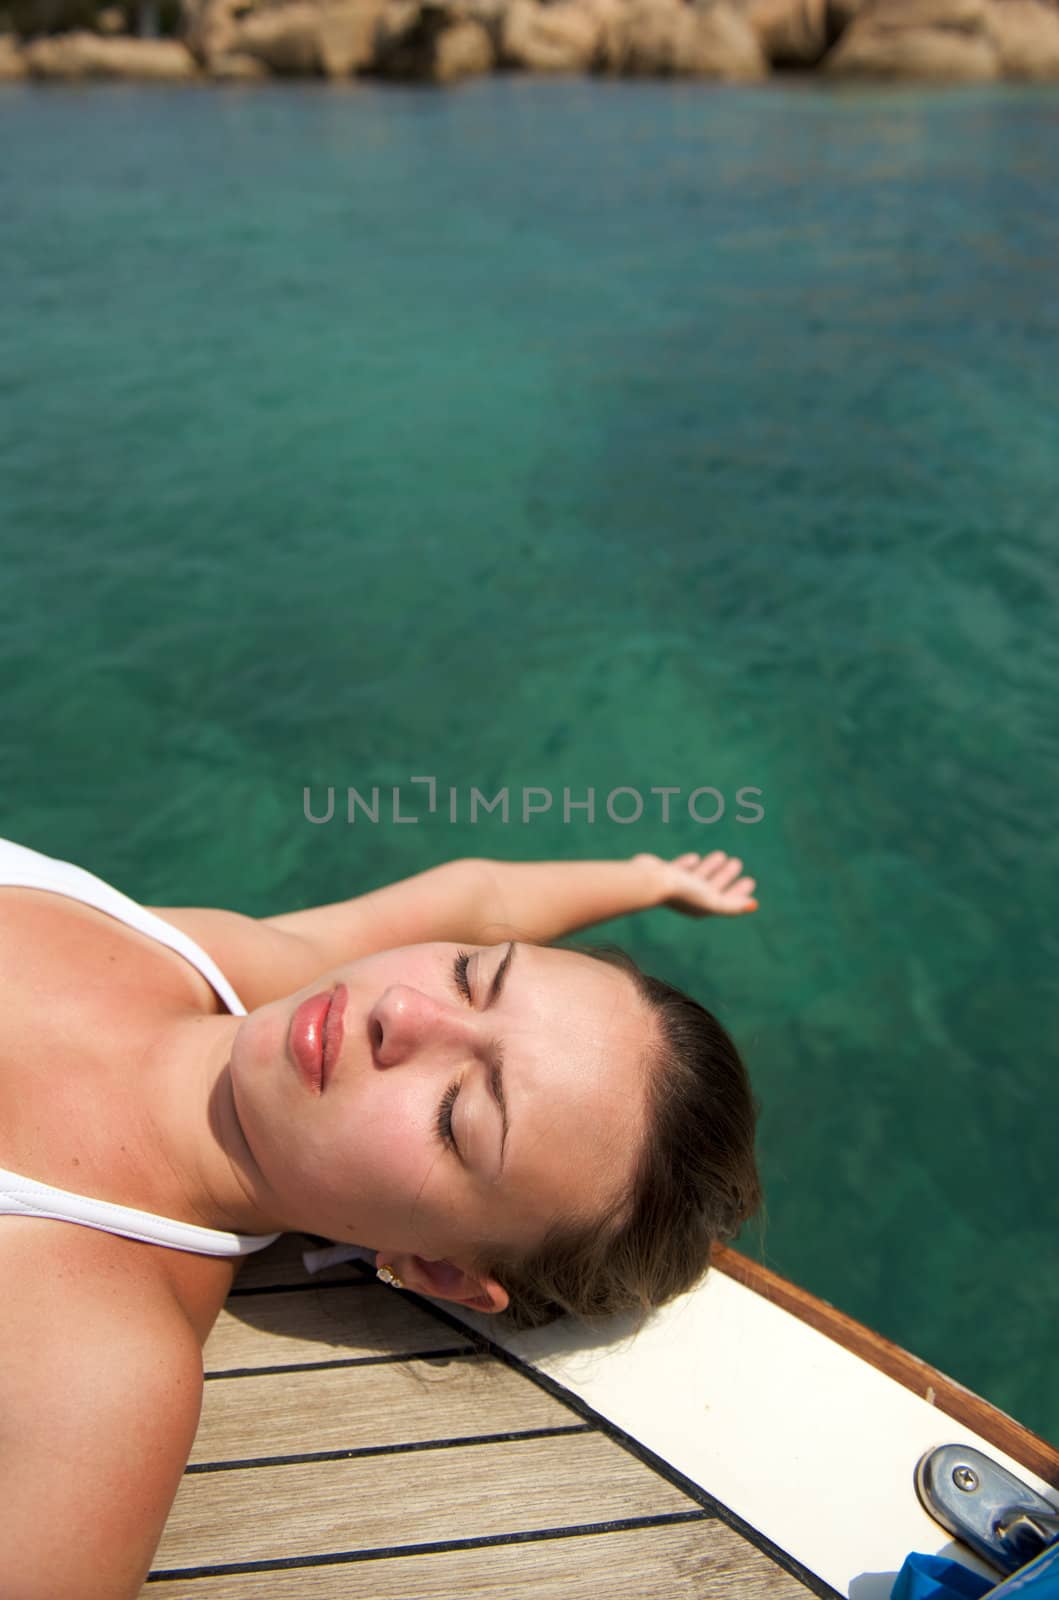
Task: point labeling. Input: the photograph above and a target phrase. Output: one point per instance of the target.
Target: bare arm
(546, 900)
(473, 901)
(100, 1406)
(479, 902)
(483, 902)
(438, 904)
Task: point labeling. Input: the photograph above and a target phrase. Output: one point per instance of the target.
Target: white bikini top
(21, 1196)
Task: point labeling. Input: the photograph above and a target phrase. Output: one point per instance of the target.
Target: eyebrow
(496, 1054)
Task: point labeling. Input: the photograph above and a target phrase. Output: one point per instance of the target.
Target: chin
(261, 1042)
(258, 1068)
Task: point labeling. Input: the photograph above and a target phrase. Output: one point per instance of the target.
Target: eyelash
(448, 1099)
(444, 1122)
(459, 973)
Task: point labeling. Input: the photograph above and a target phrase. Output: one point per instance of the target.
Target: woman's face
(532, 1059)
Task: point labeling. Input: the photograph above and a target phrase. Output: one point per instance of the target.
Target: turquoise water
(583, 434)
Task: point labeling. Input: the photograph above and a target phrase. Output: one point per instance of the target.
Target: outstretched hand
(702, 886)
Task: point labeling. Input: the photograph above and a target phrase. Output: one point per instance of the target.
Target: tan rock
(347, 36)
(944, 41)
(463, 51)
(410, 42)
(396, 21)
(491, 15)
(110, 20)
(791, 33)
(613, 19)
(727, 44)
(12, 60)
(231, 66)
(1025, 34)
(664, 38)
(930, 54)
(959, 16)
(550, 38)
(208, 27)
(840, 14)
(650, 38)
(285, 39)
(87, 55)
(333, 39)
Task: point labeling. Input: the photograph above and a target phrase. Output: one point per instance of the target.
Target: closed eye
(459, 974)
(443, 1122)
(444, 1117)
(495, 1077)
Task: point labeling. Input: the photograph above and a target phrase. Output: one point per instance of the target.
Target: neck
(192, 1141)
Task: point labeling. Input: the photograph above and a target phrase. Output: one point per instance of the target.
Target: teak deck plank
(375, 1502)
(334, 1323)
(353, 1446)
(689, 1561)
(291, 1413)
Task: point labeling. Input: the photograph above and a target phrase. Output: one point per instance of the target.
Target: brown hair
(696, 1179)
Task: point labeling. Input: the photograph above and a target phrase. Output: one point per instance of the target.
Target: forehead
(577, 1037)
(587, 1006)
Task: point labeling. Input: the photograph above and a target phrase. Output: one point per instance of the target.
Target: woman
(504, 1123)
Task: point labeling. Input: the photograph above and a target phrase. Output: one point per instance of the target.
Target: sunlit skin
(131, 1074)
(223, 1132)
(365, 1160)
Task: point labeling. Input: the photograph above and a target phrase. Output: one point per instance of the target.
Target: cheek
(393, 1132)
(394, 1174)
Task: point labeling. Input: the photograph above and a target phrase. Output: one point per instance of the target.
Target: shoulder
(100, 1393)
(261, 962)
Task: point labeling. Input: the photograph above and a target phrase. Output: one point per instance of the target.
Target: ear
(443, 1281)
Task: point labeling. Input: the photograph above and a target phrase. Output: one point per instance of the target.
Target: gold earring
(389, 1277)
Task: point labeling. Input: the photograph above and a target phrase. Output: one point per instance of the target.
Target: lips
(315, 1036)
(333, 1034)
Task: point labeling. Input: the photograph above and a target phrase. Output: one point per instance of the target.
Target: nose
(404, 1021)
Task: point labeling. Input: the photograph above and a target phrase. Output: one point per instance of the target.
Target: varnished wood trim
(939, 1390)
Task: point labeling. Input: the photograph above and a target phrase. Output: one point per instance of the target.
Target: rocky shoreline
(445, 41)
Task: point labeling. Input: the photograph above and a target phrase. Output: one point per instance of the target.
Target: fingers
(692, 857)
(719, 875)
(702, 864)
(726, 874)
(720, 869)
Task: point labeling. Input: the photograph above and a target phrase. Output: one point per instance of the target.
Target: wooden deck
(354, 1445)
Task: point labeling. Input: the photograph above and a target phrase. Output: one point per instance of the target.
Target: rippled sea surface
(581, 435)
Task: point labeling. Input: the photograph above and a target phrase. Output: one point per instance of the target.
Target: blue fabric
(936, 1578)
(1038, 1580)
